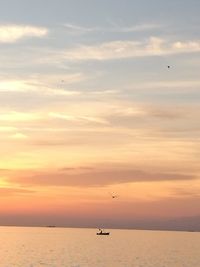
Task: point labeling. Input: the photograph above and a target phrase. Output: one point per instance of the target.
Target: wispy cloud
(13, 116)
(42, 84)
(176, 84)
(79, 119)
(154, 46)
(140, 27)
(13, 33)
(115, 28)
(76, 29)
(150, 111)
(15, 86)
(7, 129)
(18, 136)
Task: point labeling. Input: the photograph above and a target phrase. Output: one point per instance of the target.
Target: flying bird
(113, 195)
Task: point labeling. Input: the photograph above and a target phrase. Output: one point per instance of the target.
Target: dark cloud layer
(94, 177)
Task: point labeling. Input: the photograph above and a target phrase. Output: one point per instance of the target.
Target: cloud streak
(78, 119)
(43, 84)
(14, 116)
(14, 33)
(154, 46)
(7, 192)
(77, 29)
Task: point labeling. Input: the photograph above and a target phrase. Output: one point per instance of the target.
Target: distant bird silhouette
(168, 67)
(113, 195)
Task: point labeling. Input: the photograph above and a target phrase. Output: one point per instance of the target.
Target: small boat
(101, 232)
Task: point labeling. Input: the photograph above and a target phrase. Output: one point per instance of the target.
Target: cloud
(77, 29)
(54, 143)
(18, 136)
(191, 192)
(77, 139)
(158, 119)
(38, 89)
(15, 86)
(166, 84)
(138, 28)
(78, 119)
(14, 33)
(6, 192)
(14, 116)
(54, 84)
(148, 112)
(95, 177)
(154, 46)
(7, 129)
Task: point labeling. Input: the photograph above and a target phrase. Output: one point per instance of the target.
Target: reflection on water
(65, 247)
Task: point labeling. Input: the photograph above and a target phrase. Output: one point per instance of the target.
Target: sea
(69, 247)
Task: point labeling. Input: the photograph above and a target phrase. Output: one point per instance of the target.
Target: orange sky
(89, 107)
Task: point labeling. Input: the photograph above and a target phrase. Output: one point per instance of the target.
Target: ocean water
(66, 247)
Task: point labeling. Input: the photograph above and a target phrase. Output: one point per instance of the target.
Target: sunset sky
(89, 107)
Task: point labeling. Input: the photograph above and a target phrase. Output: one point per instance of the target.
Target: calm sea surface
(65, 247)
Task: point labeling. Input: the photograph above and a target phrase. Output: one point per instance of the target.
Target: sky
(89, 108)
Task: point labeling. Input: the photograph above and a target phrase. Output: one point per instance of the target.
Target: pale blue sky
(100, 27)
(94, 12)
